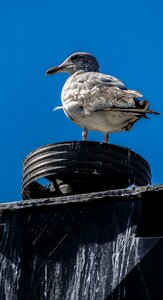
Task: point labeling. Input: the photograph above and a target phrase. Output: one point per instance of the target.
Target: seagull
(96, 101)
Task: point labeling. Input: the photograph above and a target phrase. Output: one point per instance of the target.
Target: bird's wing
(97, 91)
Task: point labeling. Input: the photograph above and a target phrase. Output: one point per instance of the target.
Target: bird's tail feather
(140, 111)
(145, 106)
(152, 112)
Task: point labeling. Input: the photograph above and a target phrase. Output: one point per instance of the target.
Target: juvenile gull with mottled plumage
(96, 101)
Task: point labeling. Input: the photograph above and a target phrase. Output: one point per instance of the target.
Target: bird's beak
(54, 70)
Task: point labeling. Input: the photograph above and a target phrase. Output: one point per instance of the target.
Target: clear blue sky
(127, 39)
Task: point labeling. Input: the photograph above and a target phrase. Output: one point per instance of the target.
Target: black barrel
(81, 167)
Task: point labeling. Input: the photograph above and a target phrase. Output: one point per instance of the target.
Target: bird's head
(75, 62)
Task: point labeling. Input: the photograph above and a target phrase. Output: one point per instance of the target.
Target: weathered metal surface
(134, 193)
(81, 247)
(80, 167)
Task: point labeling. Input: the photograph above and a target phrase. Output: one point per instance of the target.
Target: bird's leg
(106, 138)
(84, 134)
